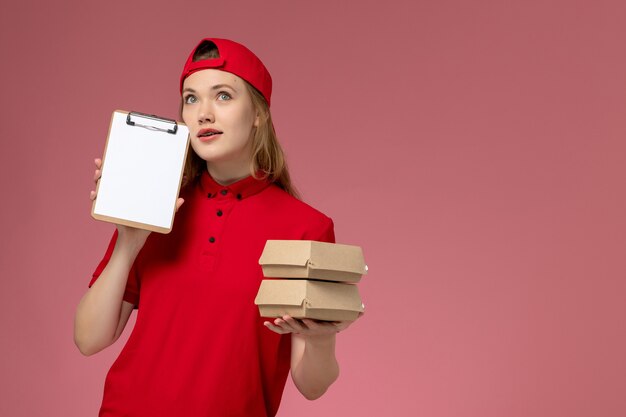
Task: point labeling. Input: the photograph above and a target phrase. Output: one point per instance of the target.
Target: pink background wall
(476, 150)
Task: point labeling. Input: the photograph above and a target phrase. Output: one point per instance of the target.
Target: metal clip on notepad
(156, 123)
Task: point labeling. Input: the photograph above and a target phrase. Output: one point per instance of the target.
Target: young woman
(199, 347)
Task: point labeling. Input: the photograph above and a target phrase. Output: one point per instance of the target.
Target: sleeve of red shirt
(131, 294)
(324, 232)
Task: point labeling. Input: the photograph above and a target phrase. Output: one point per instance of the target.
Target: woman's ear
(257, 119)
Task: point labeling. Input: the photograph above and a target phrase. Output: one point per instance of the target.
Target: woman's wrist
(321, 340)
(129, 243)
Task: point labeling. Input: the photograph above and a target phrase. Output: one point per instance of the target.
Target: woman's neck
(226, 174)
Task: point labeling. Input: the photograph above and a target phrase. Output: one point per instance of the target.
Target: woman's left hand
(307, 327)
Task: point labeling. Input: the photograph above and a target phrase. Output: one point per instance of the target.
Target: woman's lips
(209, 138)
(206, 135)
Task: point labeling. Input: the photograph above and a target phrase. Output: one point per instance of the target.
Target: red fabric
(236, 59)
(199, 347)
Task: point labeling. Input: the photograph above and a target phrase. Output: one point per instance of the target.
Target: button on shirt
(199, 347)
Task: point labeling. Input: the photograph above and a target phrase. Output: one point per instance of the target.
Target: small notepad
(142, 169)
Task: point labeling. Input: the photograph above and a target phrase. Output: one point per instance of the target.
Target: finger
(284, 325)
(98, 163)
(92, 195)
(179, 203)
(295, 324)
(96, 175)
(273, 328)
(318, 326)
(311, 324)
(323, 323)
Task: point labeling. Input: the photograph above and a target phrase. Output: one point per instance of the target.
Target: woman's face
(219, 102)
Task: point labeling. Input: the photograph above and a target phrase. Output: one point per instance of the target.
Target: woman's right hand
(126, 234)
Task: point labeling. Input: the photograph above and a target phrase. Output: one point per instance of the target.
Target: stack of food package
(309, 279)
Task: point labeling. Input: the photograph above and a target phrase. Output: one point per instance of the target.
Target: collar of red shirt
(241, 189)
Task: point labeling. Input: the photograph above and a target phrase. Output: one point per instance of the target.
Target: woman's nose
(206, 114)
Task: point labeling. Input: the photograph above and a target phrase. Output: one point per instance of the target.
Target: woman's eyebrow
(218, 86)
(215, 87)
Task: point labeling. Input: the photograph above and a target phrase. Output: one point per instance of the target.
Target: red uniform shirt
(199, 347)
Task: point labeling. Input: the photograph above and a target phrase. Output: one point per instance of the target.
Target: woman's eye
(190, 99)
(223, 96)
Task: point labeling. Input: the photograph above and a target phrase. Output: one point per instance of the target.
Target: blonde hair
(267, 154)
